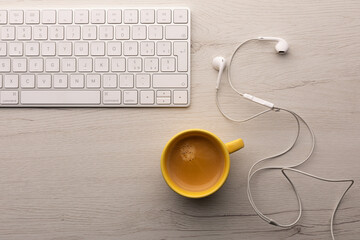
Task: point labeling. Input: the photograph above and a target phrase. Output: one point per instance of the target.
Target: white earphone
(281, 47)
(219, 64)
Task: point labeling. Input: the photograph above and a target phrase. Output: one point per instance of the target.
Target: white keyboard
(95, 57)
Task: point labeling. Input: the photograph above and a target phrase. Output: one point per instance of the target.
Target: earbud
(219, 64)
(281, 47)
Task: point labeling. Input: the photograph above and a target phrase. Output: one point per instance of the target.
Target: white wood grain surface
(75, 174)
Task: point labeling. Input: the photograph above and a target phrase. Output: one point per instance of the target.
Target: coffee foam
(188, 152)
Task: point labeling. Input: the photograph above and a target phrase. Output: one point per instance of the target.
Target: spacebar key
(60, 97)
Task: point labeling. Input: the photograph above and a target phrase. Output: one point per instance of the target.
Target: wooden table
(74, 174)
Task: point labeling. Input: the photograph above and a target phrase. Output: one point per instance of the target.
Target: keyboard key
(112, 97)
(118, 65)
(170, 81)
(16, 17)
(77, 81)
(163, 100)
(142, 80)
(98, 16)
(97, 49)
(151, 64)
(48, 49)
(65, 16)
(130, 48)
(114, 16)
(52, 64)
(130, 97)
(60, 81)
(89, 32)
(48, 17)
(81, 48)
(60, 97)
(106, 32)
(130, 16)
(181, 51)
(64, 48)
(9, 97)
(180, 16)
(101, 64)
(93, 81)
(175, 32)
(114, 49)
(147, 16)
(32, 16)
(168, 64)
(139, 32)
(109, 81)
(85, 64)
(5, 64)
(32, 49)
(126, 81)
(155, 32)
(3, 49)
(24, 33)
(81, 16)
(122, 32)
(147, 48)
(163, 93)
(40, 33)
(134, 64)
(68, 64)
(27, 81)
(11, 81)
(180, 97)
(15, 49)
(7, 33)
(44, 81)
(73, 32)
(19, 65)
(163, 48)
(147, 97)
(36, 64)
(164, 16)
(56, 33)
(3, 16)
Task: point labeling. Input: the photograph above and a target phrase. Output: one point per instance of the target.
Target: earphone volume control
(258, 100)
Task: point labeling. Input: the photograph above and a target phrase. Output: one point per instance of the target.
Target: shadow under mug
(226, 149)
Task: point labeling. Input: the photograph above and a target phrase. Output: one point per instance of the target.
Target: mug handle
(235, 145)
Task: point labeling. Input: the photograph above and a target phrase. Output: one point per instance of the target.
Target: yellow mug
(226, 149)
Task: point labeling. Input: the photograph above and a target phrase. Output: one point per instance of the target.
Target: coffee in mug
(195, 163)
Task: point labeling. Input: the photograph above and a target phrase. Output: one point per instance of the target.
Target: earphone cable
(235, 120)
(251, 173)
(230, 64)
